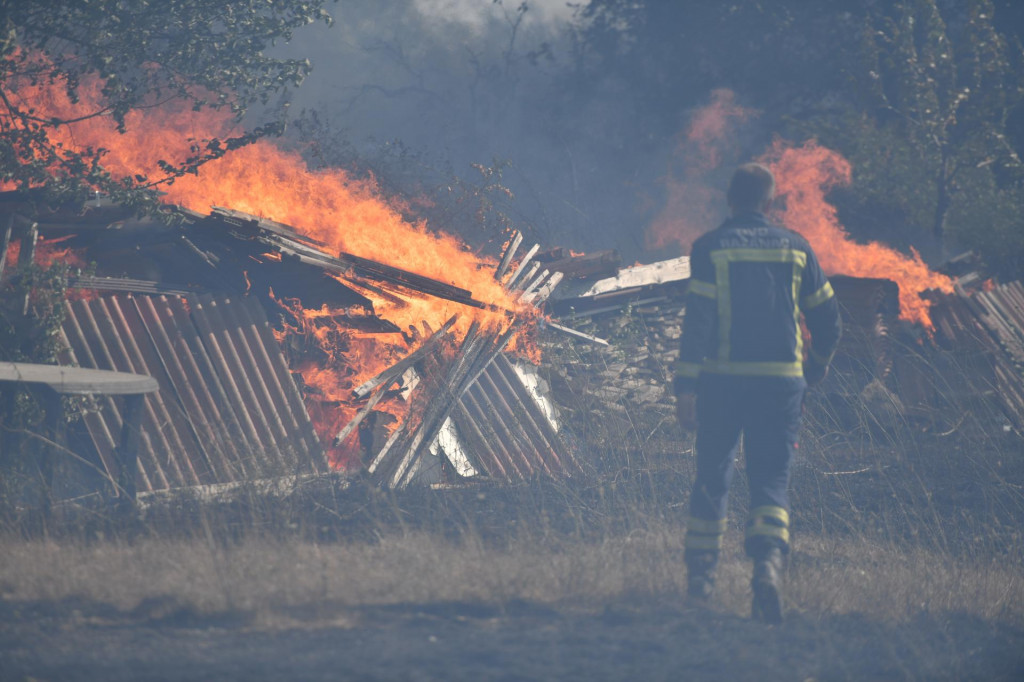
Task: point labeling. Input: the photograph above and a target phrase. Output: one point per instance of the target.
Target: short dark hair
(752, 186)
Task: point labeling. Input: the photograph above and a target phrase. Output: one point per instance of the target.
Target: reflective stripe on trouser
(767, 412)
(702, 534)
(768, 525)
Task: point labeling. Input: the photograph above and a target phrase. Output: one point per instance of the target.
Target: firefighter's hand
(814, 373)
(686, 411)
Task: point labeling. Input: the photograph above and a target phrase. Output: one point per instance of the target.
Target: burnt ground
(74, 640)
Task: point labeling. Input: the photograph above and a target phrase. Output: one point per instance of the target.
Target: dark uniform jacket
(750, 281)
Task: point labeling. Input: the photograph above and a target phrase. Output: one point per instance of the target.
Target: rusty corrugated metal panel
(227, 408)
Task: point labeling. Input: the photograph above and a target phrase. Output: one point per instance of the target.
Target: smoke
(421, 88)
(416, 87)
(476, 15)
(695, 180)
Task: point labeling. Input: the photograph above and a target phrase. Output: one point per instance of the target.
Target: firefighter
(742, 370)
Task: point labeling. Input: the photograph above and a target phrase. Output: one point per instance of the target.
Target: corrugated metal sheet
(1002, 311)
(501, 432)
(984, 330)
(476, 418)
(526, 443)
(227, 409)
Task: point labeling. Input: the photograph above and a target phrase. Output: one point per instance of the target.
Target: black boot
(767, 587)
(700, 574)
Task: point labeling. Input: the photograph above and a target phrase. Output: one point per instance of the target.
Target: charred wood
(392, 373)
(597, 264)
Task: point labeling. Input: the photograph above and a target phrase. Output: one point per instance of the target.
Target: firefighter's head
(752, 188)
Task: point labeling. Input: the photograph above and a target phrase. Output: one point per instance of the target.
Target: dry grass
(263, 574)
(908, 560)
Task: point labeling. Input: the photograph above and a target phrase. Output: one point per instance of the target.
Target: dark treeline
(578, 113)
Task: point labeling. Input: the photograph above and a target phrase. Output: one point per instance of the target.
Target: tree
(948, 84)
(129, 54)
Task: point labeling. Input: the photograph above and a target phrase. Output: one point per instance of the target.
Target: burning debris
(264, 345)
(274, 358)
(340, 335)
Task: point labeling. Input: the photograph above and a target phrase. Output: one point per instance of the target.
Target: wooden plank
(533, 284)
(135, 286)
(599, 263)
(233, 373)
(96, 424)
(227, 411)
(521, 268)
(78, 380)
(541, 294)
(539, 419)
(272, 400)
(439, 408)
(468, 415)
(154, 415)
(146, 359)
(240, 219)
(515, 424)
(396, 370)
(360, 416)
(5, 241)
(88, 351)
(26, 256)
(510, 251)
(576, 333)
(485, 403)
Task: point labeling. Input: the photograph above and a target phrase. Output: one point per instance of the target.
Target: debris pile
(239, 318)
(274, 359)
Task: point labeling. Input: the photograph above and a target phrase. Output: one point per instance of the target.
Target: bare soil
(78, 640)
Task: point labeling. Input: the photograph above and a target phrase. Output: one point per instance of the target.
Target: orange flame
(803, 176)
(709, 141)
(346, 213)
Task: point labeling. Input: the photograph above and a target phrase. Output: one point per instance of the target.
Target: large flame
(692, 196)
(348, 214)
(804, 174)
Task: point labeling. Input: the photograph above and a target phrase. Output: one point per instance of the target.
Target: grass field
(908, 564)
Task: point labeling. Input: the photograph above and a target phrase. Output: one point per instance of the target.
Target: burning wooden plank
(253, 225)
(542, 293)
(376, 387)
(506, 259)
(396, 370)
(522, 268)
(5, 241)
(411, 280)
(534, 283)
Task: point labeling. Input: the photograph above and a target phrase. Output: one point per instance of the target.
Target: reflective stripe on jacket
(750, 282)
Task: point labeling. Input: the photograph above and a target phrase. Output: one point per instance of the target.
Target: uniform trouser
(767, 412)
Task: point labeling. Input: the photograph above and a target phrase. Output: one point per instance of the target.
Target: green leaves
(209, 53)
